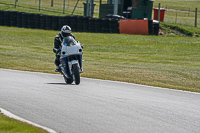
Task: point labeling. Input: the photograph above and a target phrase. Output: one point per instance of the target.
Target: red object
(162, 14)
(130, 26)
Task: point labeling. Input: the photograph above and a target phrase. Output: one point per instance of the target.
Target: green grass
(179, 17)
(187, 30)
(178, 4)
(164, 61)
(32, 6)
(8, 125)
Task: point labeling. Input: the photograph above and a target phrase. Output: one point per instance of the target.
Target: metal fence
(52, 7)
(56, 7)
(49, 22)
(77, 7)
(187, 18)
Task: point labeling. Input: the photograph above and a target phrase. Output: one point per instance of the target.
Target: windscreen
(69, 41)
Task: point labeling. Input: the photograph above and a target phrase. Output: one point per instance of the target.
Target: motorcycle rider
(65, 32)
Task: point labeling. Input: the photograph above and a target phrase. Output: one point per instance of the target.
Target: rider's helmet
(65, 31)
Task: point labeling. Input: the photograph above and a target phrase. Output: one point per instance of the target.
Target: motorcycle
(71, 60)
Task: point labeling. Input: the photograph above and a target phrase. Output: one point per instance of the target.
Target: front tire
(76, 74)
(67, 80)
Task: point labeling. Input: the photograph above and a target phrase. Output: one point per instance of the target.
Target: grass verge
(8, 125)
(187, 30)
(32, 6)
(184, 5)
(164, 61)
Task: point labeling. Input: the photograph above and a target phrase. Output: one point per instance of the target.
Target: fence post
(51, 3)
(64, 7)
(15, 3)
(159, 12)
(87, 12)
(75, 7)
(91, 8)
(115, 7)
(39, 4)
(176, 18)
(189, 12)
(195, 23)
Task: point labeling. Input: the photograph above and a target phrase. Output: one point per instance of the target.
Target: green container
(106, 9)
(142, 9)
(85, 8)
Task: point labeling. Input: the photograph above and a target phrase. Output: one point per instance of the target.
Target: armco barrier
(73, 21)
(150, 27)
(19, 19)
(7, 18)
(85, 23)
(1, 17)
(13, 18)
(37, 21)
(47, 22)
(105, 25)
(77, 23)
(66, 20)
(80, 23)
(30, 21)
(91, 26)
(42, 21)
(156, 27)
(55, 22)
(97, 25)
(113, 26)
(60, 22)
(24, 20)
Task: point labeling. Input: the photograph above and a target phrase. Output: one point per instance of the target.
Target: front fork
(71, 63)
(66, 65)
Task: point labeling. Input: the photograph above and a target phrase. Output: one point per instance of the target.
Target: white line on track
(10, 115)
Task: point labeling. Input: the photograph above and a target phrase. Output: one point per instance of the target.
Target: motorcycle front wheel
(67, 80)
(76, 74)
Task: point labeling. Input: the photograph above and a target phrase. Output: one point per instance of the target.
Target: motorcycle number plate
(70, 65)
(74, 62)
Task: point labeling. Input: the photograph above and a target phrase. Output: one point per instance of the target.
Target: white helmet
(65, 31)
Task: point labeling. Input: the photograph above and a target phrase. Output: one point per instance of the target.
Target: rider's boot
(57, 69)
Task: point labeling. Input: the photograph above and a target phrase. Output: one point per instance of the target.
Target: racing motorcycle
(71, 60)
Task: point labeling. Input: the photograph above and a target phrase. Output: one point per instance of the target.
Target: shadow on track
(60, 84)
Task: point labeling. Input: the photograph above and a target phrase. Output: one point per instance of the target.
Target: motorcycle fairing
(64, 61)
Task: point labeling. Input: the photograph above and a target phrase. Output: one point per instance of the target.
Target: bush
(180, 28)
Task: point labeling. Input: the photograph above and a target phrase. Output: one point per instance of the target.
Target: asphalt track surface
(98, 106)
